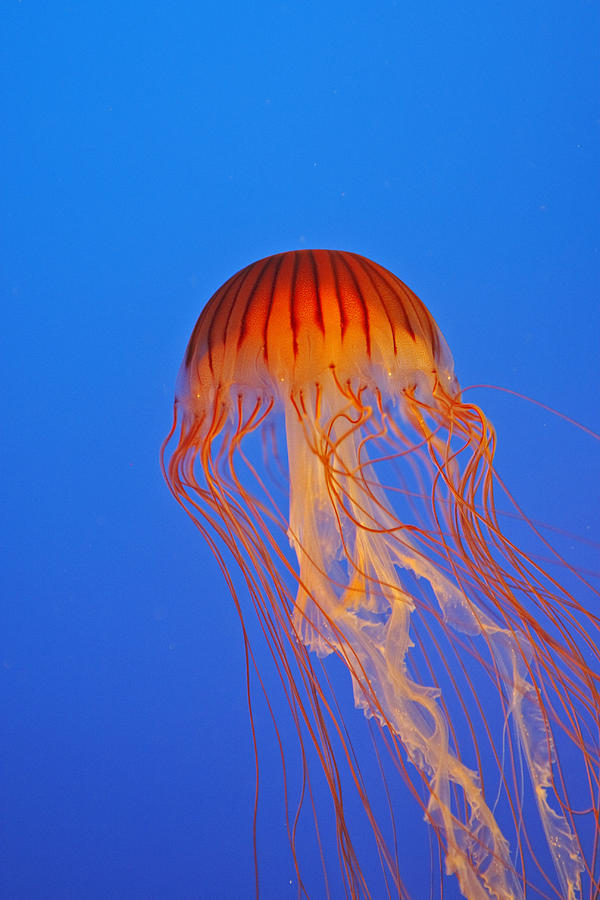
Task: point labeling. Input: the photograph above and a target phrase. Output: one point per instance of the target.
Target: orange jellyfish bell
(401, 570)
(290, 320)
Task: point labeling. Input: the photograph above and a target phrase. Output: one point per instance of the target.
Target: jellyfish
(322, 443)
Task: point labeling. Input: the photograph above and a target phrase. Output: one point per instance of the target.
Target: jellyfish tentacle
(513, 657)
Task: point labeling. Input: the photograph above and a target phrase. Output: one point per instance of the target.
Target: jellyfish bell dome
(306, 317)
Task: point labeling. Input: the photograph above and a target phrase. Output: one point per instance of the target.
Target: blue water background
(148, 151)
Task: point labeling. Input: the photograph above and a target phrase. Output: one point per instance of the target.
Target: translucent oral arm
(368, 624)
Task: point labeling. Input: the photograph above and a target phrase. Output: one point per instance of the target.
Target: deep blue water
(149, 150)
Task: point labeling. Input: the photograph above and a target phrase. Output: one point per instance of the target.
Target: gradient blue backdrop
(148, 151)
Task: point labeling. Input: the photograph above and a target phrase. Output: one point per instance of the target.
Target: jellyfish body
(391, 517)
